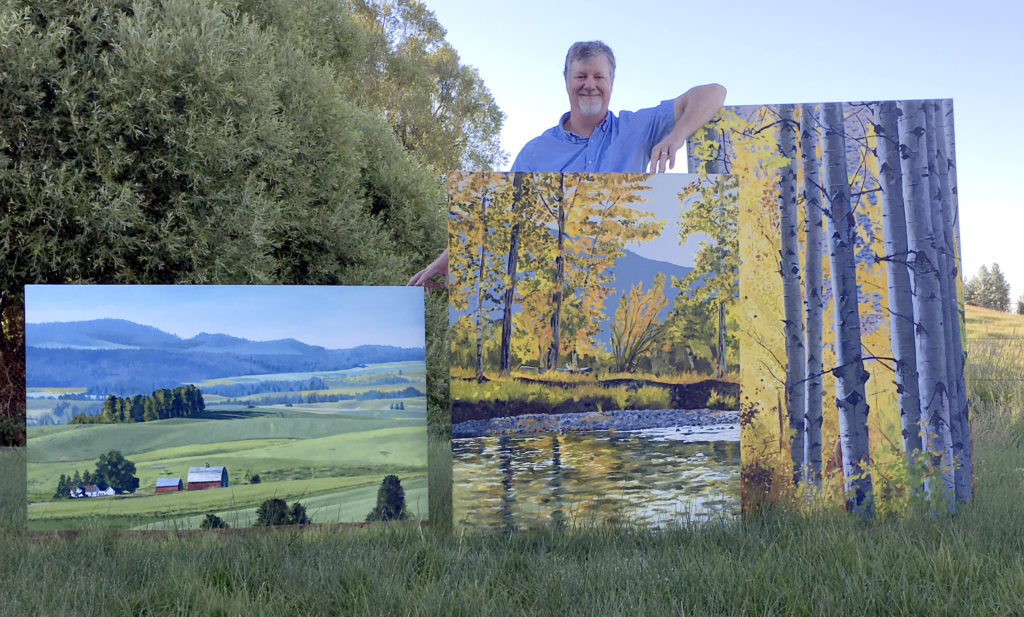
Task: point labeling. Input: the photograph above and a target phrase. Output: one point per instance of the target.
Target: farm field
(331, 456)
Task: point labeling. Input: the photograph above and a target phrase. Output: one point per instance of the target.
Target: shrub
(212, 521)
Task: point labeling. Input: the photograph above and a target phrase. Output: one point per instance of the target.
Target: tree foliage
(390, 501)
(636, 325)
(212, 521)
(988, 288)
(275, 511)
(252, 141)
(117, 472)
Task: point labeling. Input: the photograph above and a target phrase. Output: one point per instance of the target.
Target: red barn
(207, 477)
(167, 485)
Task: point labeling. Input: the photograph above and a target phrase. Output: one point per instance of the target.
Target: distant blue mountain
(115, 356)
(123, 334)
(98, 334)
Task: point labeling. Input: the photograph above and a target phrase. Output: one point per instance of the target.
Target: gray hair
(584, 50)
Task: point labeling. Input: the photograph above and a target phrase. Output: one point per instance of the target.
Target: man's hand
(426, 277)
(663, 155)
(691, 110)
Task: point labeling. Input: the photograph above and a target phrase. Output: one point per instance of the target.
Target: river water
(649, 477)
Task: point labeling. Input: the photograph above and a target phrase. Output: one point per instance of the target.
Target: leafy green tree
(272, 512)
(1020, 305)
(390, 501)
(297, 515)
(212, 521)
(177, 142)
(117, 472)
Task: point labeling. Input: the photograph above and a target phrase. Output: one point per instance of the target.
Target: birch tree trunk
(789, 268)
(556, 295)
(940, 188)
(505, 363)
(927, 299)
(849, 370)
(812, 294)
(901, 307)
(952, 226)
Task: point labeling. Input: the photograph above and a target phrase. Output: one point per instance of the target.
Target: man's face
(589, 84)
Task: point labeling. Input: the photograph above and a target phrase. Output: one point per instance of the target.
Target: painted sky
(764, 52)
(333, 317)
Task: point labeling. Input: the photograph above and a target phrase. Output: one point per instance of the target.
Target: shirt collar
(573, 138)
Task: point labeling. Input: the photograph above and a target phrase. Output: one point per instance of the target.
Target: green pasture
(350, 504)
(163, 509)
(88, 441)
(386, 450)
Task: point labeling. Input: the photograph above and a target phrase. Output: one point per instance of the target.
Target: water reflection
(651, 477)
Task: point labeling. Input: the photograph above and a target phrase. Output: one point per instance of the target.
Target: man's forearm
(695, 108)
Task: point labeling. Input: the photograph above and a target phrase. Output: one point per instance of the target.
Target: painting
(190, 406)
(851, 321)
(594, 354)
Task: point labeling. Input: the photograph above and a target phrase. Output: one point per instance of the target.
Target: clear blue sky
(781, 52)
(333, 317)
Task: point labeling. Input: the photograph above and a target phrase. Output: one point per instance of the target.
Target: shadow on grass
(236, 414)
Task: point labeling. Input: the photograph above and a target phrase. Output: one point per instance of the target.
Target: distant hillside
(113, 356)
(989, 323)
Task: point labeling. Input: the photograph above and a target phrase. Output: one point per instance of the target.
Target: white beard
(589, 105)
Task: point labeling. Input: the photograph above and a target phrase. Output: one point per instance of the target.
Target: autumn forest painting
(595, 361)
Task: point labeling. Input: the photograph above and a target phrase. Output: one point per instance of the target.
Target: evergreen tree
(988, 289)
(1020, 305)
(390, 501)
(63, 488)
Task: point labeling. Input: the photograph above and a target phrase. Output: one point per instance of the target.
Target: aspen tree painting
(858, 398)
(595, 359)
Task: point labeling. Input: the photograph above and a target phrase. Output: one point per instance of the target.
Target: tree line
(181, 402)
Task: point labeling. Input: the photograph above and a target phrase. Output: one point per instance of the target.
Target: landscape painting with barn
(594, 353)
(180, 407)
(851, 318)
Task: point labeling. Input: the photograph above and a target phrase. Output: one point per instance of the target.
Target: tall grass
(774, 563)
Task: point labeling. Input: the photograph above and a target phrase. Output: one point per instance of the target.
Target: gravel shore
(622, 420)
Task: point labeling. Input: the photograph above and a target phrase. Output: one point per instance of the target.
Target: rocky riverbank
(622, 420)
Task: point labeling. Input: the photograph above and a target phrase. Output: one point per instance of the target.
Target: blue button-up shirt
(618, 145)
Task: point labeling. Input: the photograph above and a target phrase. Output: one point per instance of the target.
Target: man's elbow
(714, 94)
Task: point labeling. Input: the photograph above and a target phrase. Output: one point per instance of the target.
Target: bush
(212, 521)
(276, 512)
(272, 512)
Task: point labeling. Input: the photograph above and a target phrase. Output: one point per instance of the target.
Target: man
(589, 138)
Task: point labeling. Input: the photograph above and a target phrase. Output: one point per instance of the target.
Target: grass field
(776, 563)
(335, 454)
